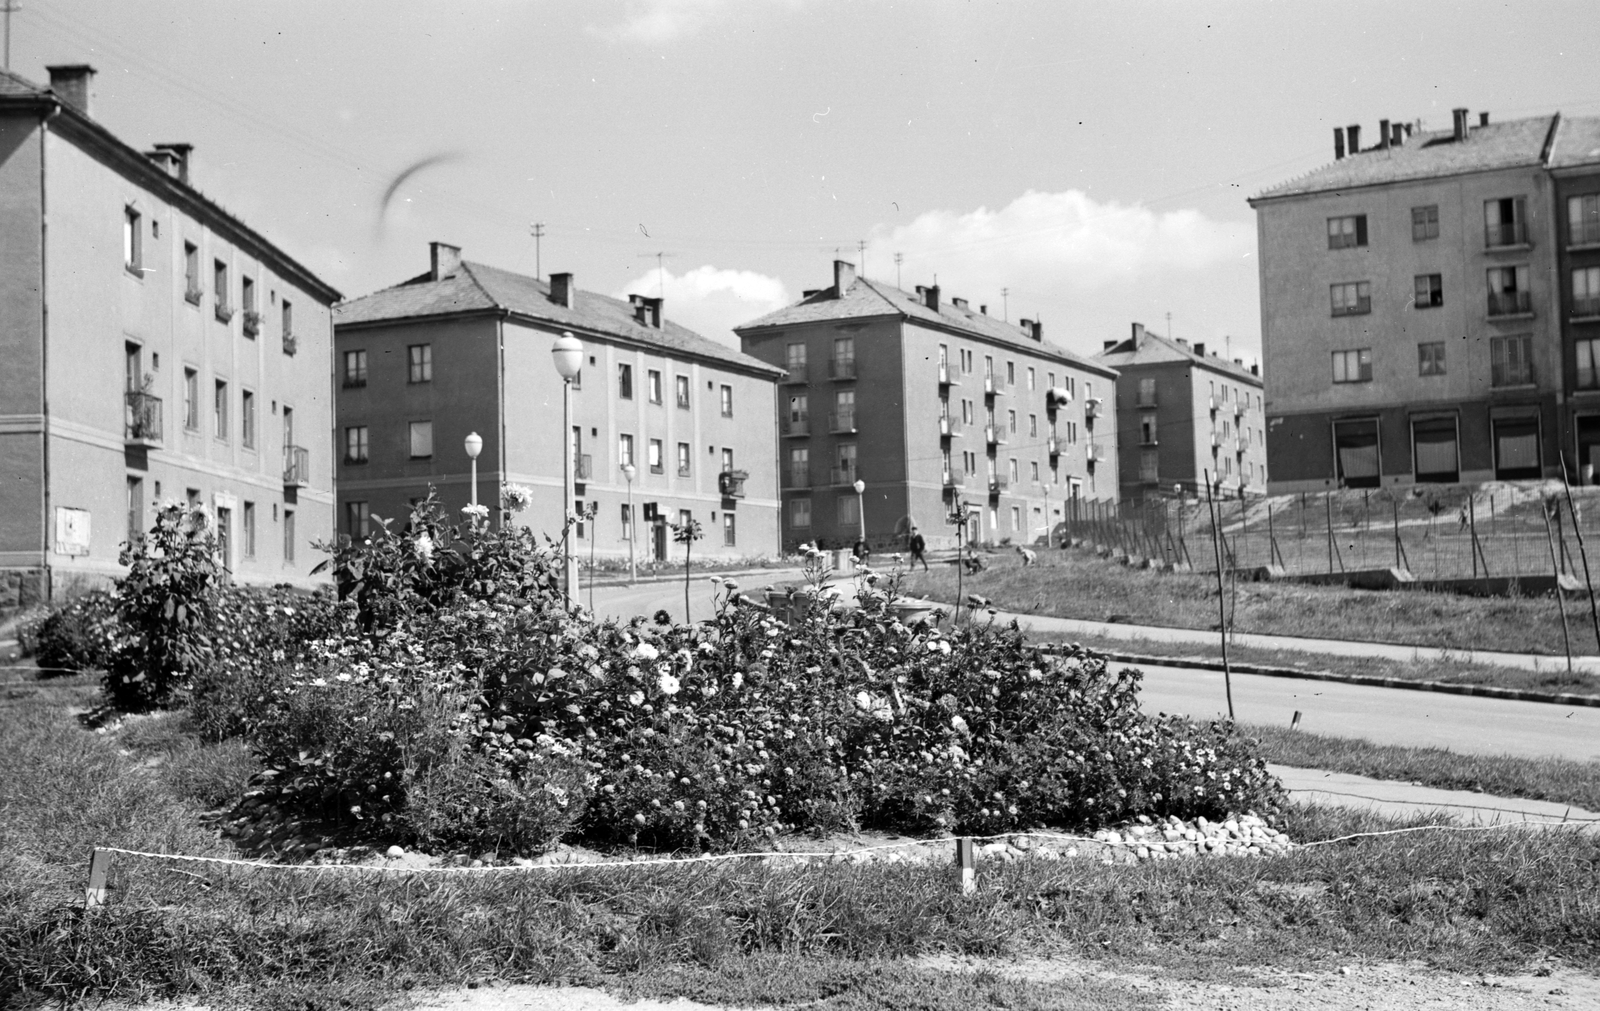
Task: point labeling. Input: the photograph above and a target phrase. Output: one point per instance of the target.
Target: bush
(80, 635)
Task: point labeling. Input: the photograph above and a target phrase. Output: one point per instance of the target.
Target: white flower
(958, 724)
(636, 699)
(424, 546)
(344, 677)
(669, 684)
(515, 497)
(319, 682)
(477, 512)
(738, 679)
(645, 651)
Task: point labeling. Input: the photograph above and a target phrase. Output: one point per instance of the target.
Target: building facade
(465, 348)
(1410, 310)
(927, 403)
(1183, 414)
(1575, 168)
(156, 347)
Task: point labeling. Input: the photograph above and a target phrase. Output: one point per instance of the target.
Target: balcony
(798, 375)
(994, 435)
(947, 375)
(1240, 445)
(1148, 439)
(842, 422)
(1510, 303)
(291, 344)
(1094, 454)
(953, 478)
(683, 470)
(1212, 403)
(1094, 405)
(731, 483)
(193, 295)
(583, 467)
(1052, 445)
(1585, 308)
(1585, 234)
(252, 323)
(1216, 440)
(793, 427)
(1505, 235)
(296, 467)
(992, 387)
(1057, 396)
(842, 368)
(949, 427)
(224, 312)
(1238, 408)
(141, 419)
(842, 476)
(998, 485)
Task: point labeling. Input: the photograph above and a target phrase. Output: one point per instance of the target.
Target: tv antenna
(10, 7)
(861, 255)
(897, 258)
(661, 270)
(1005, 304)
(537, 231)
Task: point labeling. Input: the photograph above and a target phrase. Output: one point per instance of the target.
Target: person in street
(860, 552)
(918, 546)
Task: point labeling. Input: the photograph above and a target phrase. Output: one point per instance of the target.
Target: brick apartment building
(156, 347)
(926, 401)
(465, 347)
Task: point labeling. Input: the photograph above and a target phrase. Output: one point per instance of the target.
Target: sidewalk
(1401, 800)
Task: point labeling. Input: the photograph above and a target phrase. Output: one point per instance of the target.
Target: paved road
(623, 602)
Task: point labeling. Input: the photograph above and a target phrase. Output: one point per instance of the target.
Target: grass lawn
(830, 936)
(1075, 584)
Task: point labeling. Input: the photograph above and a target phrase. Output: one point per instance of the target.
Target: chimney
(1239, 362)
(445, 259)
(808, 292)
(1109, 345)
(1483, 119)
(1397, 135)
(1383, 133)
(844, 275)
(1200, 349)
(71, 83)
(1138, 334)
(1338, 143)
(1027, 326)
(1255, 369)
(959, 303)
(562, 291)
(1460, 117)
(1353, 132)
(1184, 341)
(930, 297)
(1038, 330)
(180, 152)
(983, 309)
(165, 160)
(646, 311)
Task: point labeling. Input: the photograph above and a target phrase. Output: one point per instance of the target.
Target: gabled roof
(16, 91)
(1154, 349)
(480, 288)
(864, 299)
(1577, 142)
(1509, 144)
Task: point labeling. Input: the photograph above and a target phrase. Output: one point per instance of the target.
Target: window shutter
(1361, 229)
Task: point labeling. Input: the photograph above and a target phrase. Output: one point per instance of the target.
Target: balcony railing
(1148, 439)
(296, 466)
(1508, 233)
(992, 387)
(948, 426)
(842, 476)
(952, 478)
(1056, 397)
(947, 376)
(141, 418)
(683, 470)
(1146, 399)
(994, 435)
(998, 484)
(583, 467)
(1216, 440)
(1092, 408)
(842, 368)
(798, 375)
(193, 295)
(731, 483)
(1052, 445)
(840, 422)
(1212, 403)
(1094, 453)
(796, 426)
(1238, 408)
(252, 322)
(1510, 303)
(224, 312)
(1583, 308)
(1240, 445)
(799, 477)
(1585, 234)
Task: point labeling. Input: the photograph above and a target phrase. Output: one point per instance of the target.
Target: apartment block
(928, 402)
(465, 347)
(1574, 163)
(1183, 414)
(156, 347)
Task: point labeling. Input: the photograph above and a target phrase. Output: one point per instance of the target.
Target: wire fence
(1515, 530)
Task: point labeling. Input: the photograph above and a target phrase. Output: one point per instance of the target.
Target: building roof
(478, 287)
(1429, 155)
(18, 91)
(1576, 142)
(864, 299)
(1153, 349)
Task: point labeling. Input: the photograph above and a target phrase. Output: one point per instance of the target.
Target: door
(659, 536)
(225, 536)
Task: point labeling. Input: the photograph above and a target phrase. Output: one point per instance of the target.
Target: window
(288, 535)
(1147, 392)
(248, 529)
(1516, 448)
(219, 287)
(1011, 422)
(1511, 360)
(846, 471)
(1430, 359)
(247, 419)
(796, 357)
(1429, 290)
(848, 515)
(357, 519)
(1348, 231)
(625, 381)
(657, 464)
(800, 512)
(219, 411)
(727, 459)
(683, 459)
(1356, 452)
(844, 358)
(798, 411)
(1033, 426)
(727, 401)
(135, 508)
(355, 369)
(355, 444)
(1012, 470)
(288, 319)
(844, 411)
(1011, 373)
(653, 385)
(1150, 465)
(966, 412)
(1352, 366)
(132, 246)
(1016, 518)
(1147, 429)
(1586, 291)
(1503, 222)
(988, 366)
(1030, 377)
(1033, 468)
(191, 400)
(1433, 448)
(1588, 363)
(1050, 381)
(1424, 223)
(729, 532)
(419, 363)
(247, 302)
(421, 433)
(966, 360)
(624, 450)
(225, 536)
(191, 273)
(1583, 220)
(1351, 299)
(799, 466)
(1508, 291)
(682, 383)
(627, 522)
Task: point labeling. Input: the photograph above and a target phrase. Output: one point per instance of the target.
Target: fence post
(1222, 603)
(99, 864)
(967, 861)
(1327, 502)
(1577, 529)
(1556, 567)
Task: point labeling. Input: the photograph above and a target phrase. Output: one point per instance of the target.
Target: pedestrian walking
(918, 546)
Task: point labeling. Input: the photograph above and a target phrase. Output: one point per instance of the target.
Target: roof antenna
(897, 258)
(1169, 327)
(1005, 304)
(861, 251)
(537, 231)
(661, 271)
(10, 7)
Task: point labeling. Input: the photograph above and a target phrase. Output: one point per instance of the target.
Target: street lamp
(474, 445)
(567, 351)
(861, 508)
(628, 472)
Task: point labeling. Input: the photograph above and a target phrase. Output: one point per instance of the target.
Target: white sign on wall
(72, 531)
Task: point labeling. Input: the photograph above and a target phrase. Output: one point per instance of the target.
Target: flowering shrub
(81, 635)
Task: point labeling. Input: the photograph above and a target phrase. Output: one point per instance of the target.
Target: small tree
(686, 533)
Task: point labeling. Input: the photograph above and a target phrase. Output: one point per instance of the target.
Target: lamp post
(474, 445)
(861, 508)
(628, 471)
(567, 351)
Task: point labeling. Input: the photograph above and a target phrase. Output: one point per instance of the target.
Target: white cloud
(712, 301)
(1086, 268)
(656, 21)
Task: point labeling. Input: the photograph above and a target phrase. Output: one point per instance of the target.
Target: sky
(1086, 165)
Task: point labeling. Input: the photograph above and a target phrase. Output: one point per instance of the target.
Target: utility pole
(10, 7)
(897, 258)
(537, 231)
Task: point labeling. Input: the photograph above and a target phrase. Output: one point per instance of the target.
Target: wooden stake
(1222, 603)
(1555, 567)
(1583, 553)
(967, 860)
(99, 864)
